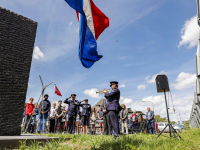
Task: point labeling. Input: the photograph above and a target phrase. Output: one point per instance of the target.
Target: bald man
(150, 120)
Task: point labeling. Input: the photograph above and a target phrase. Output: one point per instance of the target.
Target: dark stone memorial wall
(17, 38)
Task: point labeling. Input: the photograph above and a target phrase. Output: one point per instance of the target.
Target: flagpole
(53, 94)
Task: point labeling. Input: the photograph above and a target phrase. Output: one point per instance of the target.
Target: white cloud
(141, 87)
(185, 80)
(70, 23)
(155, 99)
(121, 98)
(122, 86)
(189, 33)
(152, 80)
(126, 101)
(37, 53)
(181, 103)
(91, 93)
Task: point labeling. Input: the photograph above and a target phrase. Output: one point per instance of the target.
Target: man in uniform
(113, 106)
(72, 111)
(85, 115)
(106, 119)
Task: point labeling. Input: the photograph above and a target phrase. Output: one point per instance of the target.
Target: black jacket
(46, 106)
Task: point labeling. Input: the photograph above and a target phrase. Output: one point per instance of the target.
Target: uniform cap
(74, 95)
(113, 82)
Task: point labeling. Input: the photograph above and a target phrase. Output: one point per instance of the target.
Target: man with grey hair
(150, 120)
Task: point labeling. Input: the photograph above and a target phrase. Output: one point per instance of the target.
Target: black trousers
(71, 123)
(52, 126)
(107, 124)
(59, 124)
(31, 128)
(114, 121)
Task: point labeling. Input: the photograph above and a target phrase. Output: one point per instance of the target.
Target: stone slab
(17, 38)
(12, 142)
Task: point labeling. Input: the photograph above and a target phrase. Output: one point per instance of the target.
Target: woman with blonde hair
(124, 118)
(93, 120)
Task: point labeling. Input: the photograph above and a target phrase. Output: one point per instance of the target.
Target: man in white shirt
(52, 119)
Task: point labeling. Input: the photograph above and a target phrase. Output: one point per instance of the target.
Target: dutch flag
(92, 23)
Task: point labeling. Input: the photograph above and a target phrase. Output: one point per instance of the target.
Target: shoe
(38, 132)
(115, 137)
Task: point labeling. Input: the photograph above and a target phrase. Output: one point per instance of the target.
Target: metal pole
(180, 117)
(198, 12)
(53, 93)
(42, 104)
(167, 113)
(42, 99)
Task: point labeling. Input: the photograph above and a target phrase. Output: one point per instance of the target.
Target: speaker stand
(171, 129)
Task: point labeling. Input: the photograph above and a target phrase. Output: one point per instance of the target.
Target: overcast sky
(145, 38)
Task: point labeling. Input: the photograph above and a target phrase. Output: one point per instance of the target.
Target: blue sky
(144, 38)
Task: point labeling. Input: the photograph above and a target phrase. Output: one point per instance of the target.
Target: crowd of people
(109, 118)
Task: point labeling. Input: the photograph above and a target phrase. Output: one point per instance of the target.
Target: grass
(191, 141)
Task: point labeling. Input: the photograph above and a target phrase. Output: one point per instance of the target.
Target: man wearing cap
(85, 114)
(72, 111)
(113, 106)
(44, 110)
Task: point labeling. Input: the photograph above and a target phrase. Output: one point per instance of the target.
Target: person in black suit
(72, 111)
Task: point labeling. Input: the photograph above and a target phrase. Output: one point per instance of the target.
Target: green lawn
(191, 141)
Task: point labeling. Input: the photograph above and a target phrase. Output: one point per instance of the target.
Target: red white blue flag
(92, 23)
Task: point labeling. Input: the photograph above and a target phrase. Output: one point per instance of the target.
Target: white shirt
(149, 115)
(52, 112)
